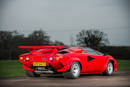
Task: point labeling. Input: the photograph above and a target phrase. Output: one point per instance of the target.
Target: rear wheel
(109, 69)
(31, 74)
(74, 71)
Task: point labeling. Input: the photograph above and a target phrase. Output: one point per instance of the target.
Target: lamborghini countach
(69, 61)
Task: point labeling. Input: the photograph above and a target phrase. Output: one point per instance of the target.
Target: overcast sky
(62, 19)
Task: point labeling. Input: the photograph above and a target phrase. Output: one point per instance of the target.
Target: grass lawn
(13, 68)
(123, 64)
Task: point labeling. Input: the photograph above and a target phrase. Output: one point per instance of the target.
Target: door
(94, 60)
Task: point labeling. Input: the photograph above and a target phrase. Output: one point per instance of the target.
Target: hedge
(118, 52)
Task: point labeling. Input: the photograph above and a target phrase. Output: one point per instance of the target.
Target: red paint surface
(95, 66)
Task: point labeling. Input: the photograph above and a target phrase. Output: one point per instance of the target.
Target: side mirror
(105, 54)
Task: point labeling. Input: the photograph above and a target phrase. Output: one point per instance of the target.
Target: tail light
(21, 58)
(26, 58)
(52, 59)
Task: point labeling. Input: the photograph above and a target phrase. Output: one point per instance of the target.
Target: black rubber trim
(90, 58)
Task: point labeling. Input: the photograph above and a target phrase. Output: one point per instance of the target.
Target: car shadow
(61, 75)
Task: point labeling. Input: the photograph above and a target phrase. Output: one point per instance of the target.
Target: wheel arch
(79, 64)
(105, 66)
(112, 61)
(75, 61)
(71, 74)
(67, 66)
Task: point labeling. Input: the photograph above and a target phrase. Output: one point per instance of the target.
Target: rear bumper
(53, 66)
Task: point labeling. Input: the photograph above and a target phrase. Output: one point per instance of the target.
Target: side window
(90, 51)
(99, 53)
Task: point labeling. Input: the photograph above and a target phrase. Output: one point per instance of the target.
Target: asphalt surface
(118, 79)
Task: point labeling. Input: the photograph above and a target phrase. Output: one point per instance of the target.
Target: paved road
(119, 79)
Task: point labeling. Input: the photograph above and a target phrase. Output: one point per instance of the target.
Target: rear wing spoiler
(40, 47)
(32, 49)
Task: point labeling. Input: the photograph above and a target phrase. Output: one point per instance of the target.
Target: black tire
(72, 73)
(31, 74)
(109, 69)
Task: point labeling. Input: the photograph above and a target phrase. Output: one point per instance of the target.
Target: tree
(57, 43)
(5, 37)
(9, 41)
(38, 37)
(91, 38)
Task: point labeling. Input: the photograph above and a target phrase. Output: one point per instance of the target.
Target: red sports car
(71, 61)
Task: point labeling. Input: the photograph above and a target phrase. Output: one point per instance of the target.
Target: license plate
(39, 63)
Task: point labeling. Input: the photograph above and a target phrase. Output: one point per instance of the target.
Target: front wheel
(74, 71)
(109, 69)
(31, 74)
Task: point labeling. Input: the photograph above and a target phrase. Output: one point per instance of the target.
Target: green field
(123, 64)
(13, 68)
